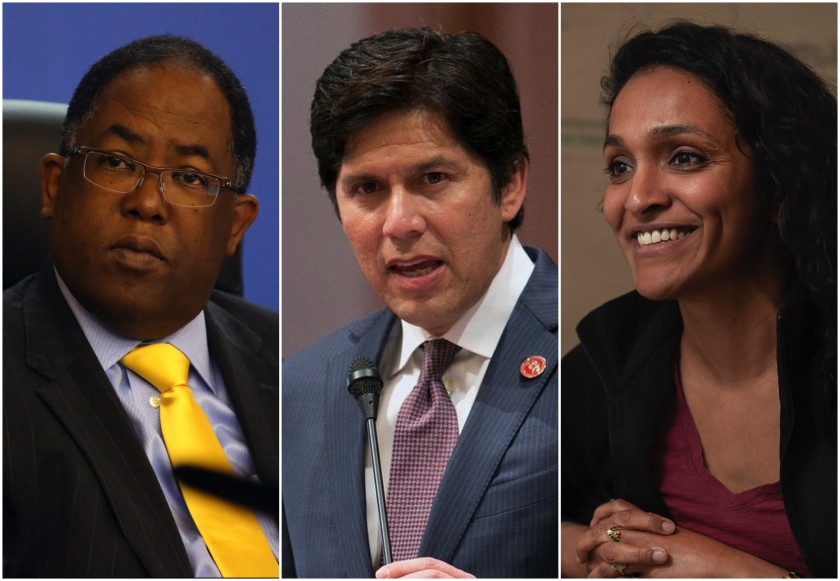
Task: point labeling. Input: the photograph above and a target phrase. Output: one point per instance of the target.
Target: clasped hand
(640, 546)
(421, 568)
(652, 546)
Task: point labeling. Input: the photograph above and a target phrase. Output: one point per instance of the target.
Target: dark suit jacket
(495, 514)
(80, 498)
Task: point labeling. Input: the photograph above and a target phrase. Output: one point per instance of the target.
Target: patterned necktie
(424, 437)
(232, 534)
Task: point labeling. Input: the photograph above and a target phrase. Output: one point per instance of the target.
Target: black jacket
(80, 498)
(618, 385)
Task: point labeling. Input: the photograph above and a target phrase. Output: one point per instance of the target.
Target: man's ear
(513, 193)
(244, 213)
(51, 168)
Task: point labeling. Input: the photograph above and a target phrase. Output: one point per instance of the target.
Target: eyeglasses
(180, 187)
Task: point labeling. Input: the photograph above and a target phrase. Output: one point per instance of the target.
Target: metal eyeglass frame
(224, 182)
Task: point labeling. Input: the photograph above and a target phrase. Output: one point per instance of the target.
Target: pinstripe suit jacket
(495, 514)
(80, 498)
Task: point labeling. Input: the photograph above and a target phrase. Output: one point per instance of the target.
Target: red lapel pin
(532, 366)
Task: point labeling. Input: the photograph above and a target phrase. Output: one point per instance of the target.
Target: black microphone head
(364, 377)
(365, 384)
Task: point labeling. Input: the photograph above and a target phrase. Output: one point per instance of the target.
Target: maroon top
(753, 521)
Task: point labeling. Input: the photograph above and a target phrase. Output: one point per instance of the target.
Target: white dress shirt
(477, 333)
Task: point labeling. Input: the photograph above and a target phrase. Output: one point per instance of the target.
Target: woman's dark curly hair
(788, 117)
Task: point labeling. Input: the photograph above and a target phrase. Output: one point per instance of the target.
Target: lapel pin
(532, 366)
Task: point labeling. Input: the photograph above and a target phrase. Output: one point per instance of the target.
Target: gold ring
(619, 568)
(614, 533)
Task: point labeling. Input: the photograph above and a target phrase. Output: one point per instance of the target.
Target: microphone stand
(365, 384)
(380, 491)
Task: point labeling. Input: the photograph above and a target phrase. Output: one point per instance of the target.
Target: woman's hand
(638, 531)
(644, 535)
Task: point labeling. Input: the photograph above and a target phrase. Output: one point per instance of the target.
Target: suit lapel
(346, 445)
(503, 403)
(80, 395)
(251, 377)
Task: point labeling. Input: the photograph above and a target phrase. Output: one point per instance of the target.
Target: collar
(480, 328)
(191, 339)
(623, 335)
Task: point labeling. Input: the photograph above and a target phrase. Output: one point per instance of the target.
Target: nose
(648, 191)
(403, 215)
(145, 201)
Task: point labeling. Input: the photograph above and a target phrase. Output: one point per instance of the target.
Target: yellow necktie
(232, 534)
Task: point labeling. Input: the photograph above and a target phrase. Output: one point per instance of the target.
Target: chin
(653, 295)
(417, 318)
(139, 315)
(655, 290)
(421, 316)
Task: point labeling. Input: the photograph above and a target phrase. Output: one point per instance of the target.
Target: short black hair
(787, 116)
(462, 76)
(154, 50)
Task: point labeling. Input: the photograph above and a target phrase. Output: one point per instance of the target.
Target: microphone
(365, 384)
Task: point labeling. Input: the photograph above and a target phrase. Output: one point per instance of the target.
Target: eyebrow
(436, 163)
(661, 132)
(190, 150)
(186, 150)
(125, 133)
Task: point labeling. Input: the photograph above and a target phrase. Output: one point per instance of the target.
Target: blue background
(47, 48)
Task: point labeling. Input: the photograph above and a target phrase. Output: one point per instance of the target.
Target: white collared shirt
(477, 333)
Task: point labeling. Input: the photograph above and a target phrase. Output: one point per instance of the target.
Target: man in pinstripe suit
(420, 146)
(141, 219)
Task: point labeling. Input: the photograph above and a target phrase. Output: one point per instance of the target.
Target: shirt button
(154, 401)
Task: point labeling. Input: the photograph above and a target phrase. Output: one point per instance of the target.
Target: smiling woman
(675, 164)
(702, 406)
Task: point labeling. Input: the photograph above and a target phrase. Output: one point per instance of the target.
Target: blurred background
(592, 269)
(323, 288)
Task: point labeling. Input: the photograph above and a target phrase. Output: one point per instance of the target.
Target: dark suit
(495, 514)
(80, 498)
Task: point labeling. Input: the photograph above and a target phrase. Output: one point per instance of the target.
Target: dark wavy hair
(155, 50)
(462, 76)
(788, 117)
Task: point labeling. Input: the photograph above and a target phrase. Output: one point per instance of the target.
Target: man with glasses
(120, 360)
